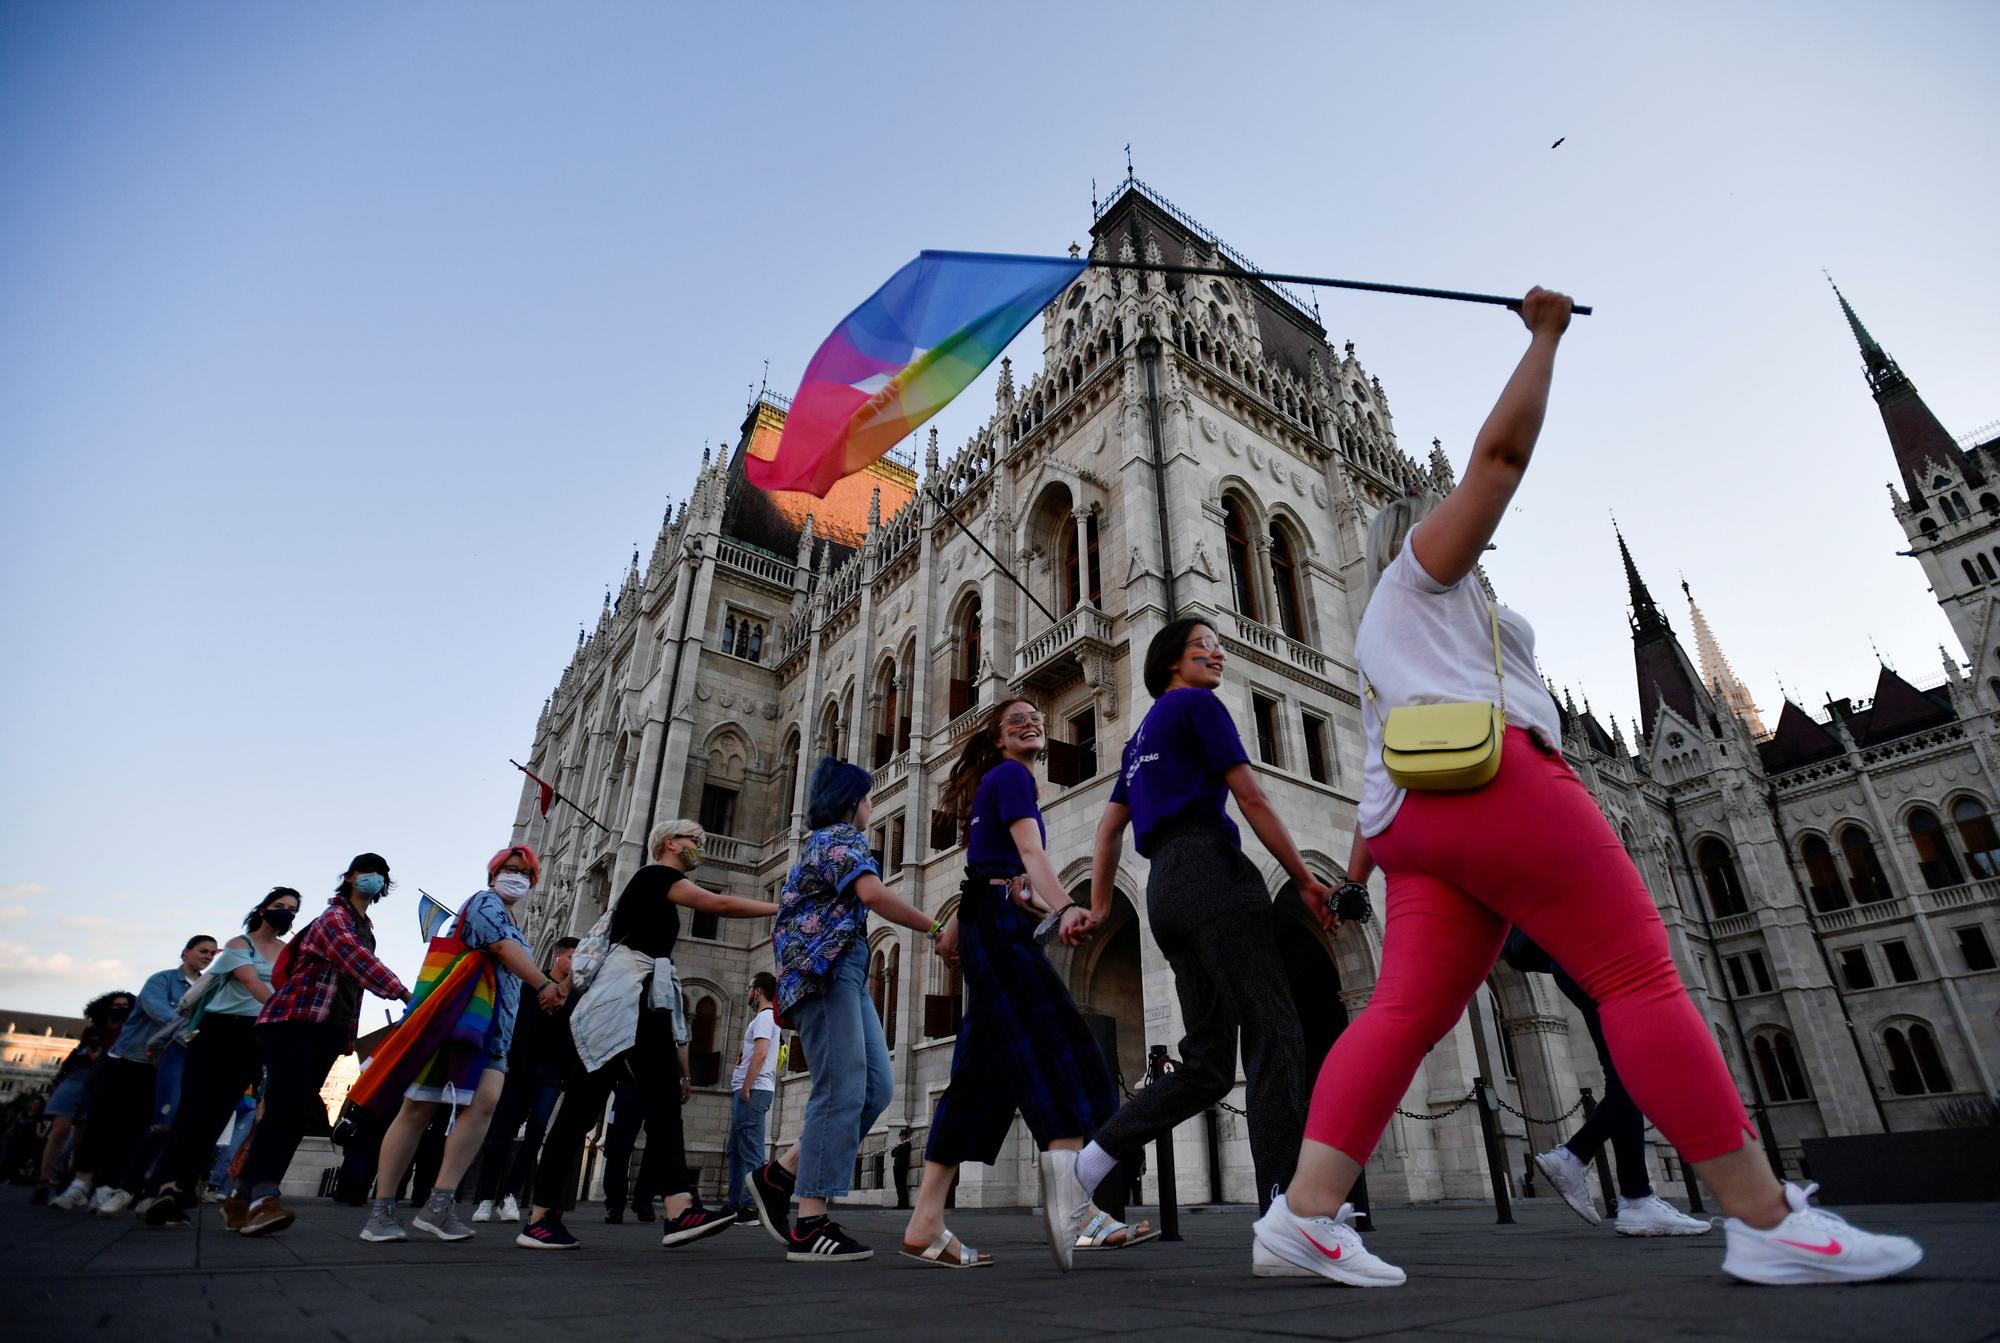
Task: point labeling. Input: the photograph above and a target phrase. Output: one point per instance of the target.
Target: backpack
(588, 957)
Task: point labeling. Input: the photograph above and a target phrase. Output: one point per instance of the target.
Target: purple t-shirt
(1004, 796)
(1174, 763)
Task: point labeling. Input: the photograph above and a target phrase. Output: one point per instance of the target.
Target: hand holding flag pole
(921, 339)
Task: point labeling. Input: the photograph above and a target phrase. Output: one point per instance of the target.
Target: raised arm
(715, 902)
(1455, 534)
(1105, 852)
(1263, 819)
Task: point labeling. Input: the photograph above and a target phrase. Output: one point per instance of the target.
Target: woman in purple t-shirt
(1210, 913)
(1023, 1045)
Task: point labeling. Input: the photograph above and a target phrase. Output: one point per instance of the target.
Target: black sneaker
(547, 1234)
(614, 1216)
(747, 1217)
(642, 1211)
(695, 1224)
(819, 1240)
(166, 1210)
(771, 1188)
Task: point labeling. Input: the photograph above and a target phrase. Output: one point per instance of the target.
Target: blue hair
(836, 790)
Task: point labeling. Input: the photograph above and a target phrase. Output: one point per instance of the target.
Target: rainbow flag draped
(900, 357)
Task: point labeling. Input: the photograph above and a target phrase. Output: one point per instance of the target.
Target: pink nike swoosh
(1832, 1246)
(1334, 1253)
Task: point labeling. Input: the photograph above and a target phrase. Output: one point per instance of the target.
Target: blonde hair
(680, 829)
(1391, 528)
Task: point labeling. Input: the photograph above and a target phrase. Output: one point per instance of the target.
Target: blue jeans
(746, 1143)
(851, 1083)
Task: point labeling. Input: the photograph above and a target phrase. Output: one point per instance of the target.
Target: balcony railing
(1731, 924)
(1277, 644)
(745, 560)
(1958, 897)
(1047, 657)
(1861, 916)
(891, 773)
(728, 849)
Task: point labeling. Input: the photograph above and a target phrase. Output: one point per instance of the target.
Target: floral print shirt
(819, 915)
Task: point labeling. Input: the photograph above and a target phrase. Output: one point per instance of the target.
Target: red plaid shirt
(329, 950)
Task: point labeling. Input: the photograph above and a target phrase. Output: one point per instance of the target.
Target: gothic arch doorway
(1106, 980)
(1311, 973)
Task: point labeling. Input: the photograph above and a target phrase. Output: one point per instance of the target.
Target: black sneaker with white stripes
(819, 1240)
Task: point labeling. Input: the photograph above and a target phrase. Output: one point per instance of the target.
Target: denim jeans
(851, 1083)
(746, 1143)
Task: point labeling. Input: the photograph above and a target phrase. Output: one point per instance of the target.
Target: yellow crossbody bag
(1441, 748)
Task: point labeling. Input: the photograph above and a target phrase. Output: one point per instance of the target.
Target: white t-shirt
(1421, 642)
(763, 1026)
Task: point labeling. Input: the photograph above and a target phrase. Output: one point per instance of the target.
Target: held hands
(1318, 897)
(946, 943)
(687, 1089)
(1544, 311)
(1075, 932)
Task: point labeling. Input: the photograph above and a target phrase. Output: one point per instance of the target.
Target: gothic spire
(1646, 616)
(1665, 671)
(1716, 671)
(1921, 444)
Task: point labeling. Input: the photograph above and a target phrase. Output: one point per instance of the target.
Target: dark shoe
(40, 1198)
(642, 1211)
(166, 1210)
(695, 1224)
(235, 1212)
(547, 1234)
(267, 1217)
(747, 1217)
(771, 1188)
(614, 1216)
(819, 1240)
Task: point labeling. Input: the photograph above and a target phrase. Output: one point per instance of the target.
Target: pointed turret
(1665, 671)
(1920, 442)
(1716, 671)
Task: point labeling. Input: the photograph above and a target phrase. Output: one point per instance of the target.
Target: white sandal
(936, 1256)
(1098, 1231)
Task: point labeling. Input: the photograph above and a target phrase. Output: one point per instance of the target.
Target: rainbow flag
(900, 357)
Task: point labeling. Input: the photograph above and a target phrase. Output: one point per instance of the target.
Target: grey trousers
(1211, 915)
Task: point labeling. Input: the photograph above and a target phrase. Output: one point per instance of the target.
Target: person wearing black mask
(223, 1058)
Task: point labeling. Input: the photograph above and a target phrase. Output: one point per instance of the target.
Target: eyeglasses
(1023, 720)
(1205, 644)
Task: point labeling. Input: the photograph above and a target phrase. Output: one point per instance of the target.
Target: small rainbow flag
(900, 357)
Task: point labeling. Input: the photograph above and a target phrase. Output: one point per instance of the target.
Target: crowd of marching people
(1469, 813)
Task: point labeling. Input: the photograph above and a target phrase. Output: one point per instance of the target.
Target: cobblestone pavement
(68, 1276)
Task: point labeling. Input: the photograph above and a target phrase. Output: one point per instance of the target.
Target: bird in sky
(1559, 140)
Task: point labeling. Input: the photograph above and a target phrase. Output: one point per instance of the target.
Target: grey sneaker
(440, 1218)
(382, 1225)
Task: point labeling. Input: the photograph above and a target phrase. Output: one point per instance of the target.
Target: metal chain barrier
(1530, 1118)
(1467, 1100)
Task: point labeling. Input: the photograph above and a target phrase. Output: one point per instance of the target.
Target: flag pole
(1012, 577)
(560, 798)
(1322, 282)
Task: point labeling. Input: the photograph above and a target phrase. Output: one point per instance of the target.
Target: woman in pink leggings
(1529, 848)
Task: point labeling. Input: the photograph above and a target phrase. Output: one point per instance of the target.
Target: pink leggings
(1530, 848)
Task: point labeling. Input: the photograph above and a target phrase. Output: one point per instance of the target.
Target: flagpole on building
(1012, 577)
(1322, 282)
(558, 797)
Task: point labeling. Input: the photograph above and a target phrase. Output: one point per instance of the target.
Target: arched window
(1285, 583)
(884, 974)
(756, 643)
(1778, 1067)
(1934, 856)
(729, 635)
(966, 660)
(1823, 882)
(1971, 576)
(1236, 541)
(1985, 568)
(1718, 874)
(1976, 837)
(1989, 503)
(1864, 869)
(1915, 1066)
(885, 720)
(704, 1057)
(944, 1000)
(1081, 567)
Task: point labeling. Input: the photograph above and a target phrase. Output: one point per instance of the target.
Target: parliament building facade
(1196, 445)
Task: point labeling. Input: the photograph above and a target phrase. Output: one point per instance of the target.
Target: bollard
(1364, 1219)
(1212, 1130)
(1693, 1188)
(1496, 1164)
(1603, 1162)
(1163, 1156)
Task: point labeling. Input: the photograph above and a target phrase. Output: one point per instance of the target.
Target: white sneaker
(73, 1198)
(1065, 1204)
(1327, 1246)
(99, 1197)
(1813, 1245)
(1571, 1179)
(484, 1212)
(1654, 1216)
(115, 1202)
(510, 1210)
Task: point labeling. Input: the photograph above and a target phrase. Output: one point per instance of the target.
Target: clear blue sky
(346, 350)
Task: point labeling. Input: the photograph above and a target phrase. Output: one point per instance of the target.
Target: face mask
(511, 886)
(370, 884)
(279, 920)
(690, 858)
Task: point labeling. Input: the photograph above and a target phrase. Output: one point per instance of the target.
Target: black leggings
(222, 1063)
(655, 1065)
(119, 1113)
(1616, 1119)
(297, 1057)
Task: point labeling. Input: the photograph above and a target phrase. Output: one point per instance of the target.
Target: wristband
(937, 926)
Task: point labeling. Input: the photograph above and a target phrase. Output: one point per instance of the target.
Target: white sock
(84, 1185)
(1093, 1163)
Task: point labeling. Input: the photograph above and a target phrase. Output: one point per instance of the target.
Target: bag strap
(1499, 669)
